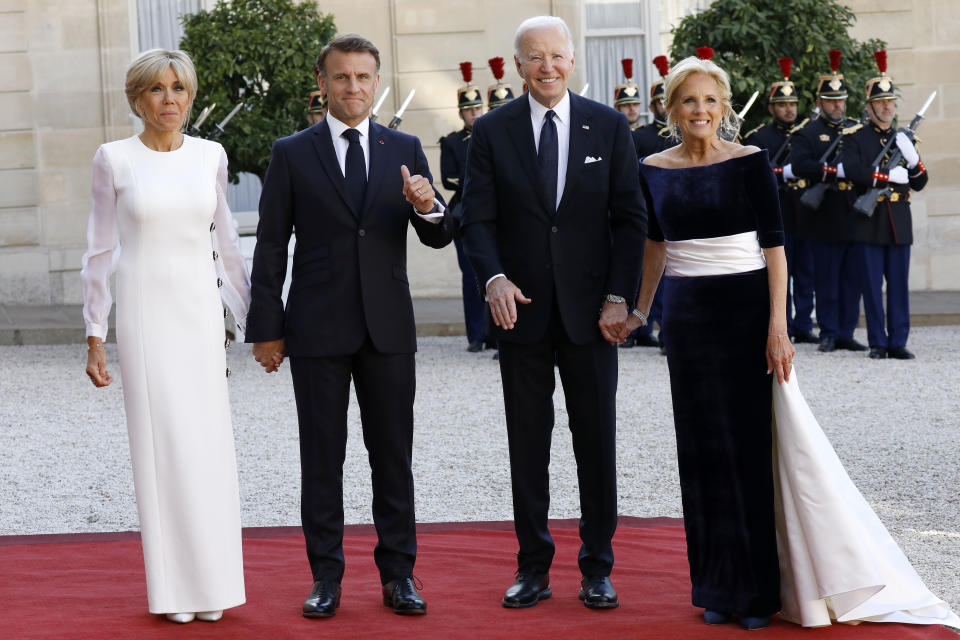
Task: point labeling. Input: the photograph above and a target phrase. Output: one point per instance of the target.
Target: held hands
(270, 354)
(417, 190)
(503, 296)
(614, 322)
(907, 149)
(97, 364)
(780, 354)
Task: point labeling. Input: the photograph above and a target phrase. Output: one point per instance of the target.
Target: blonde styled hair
(146, 70)
(679, 74)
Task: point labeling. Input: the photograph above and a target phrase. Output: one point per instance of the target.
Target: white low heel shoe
(180, 618)
(210, 616)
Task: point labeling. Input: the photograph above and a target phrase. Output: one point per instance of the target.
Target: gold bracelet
(95, 345)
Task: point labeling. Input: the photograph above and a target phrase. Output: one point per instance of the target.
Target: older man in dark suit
(554, 227)
(344, 186)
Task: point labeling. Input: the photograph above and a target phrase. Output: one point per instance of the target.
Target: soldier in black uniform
(776, 139)
(626, 96)
(316, 107)
(883, 240)
(836, 276)
(453, 162)
(499, 93)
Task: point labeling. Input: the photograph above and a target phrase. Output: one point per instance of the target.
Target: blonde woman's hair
(147, 68)
(679, 74)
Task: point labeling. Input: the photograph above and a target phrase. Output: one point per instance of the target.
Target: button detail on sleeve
(213, 225)
(361, 233)
(215, 255)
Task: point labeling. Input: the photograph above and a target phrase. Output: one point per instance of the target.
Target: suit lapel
(579, 137)
(521, 133)
(323, 143)
(378, 163)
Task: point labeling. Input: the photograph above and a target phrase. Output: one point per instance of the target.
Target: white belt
(723, 255)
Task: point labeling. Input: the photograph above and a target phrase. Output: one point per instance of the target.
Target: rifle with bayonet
(812, 198)
(194, 129)
(866, 203)
(777, 158)
(218, 129)
(398, 116)
(376, 107)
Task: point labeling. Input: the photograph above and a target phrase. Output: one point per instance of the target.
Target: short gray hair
(539, 22)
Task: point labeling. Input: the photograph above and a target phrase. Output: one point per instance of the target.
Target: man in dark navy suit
(344, 186)
(554, 227)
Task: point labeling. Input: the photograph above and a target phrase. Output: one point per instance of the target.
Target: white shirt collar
(562, 109)
(337, 128)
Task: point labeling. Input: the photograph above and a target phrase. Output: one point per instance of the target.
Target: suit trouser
(800, 292)
(891, 263)
(473, 305)
(837, 287)
(589, 377)
(385, 386)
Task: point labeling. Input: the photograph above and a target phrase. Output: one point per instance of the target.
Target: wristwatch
(615, 299)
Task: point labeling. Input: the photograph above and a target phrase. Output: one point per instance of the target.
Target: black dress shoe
(827, 344)
(850, 344)
(598, 593)
(805, 337)
(475, 347)
(878, 353)
(528, 590)
(323, 600)
(900, 353)
(647, 341)
(403, 596)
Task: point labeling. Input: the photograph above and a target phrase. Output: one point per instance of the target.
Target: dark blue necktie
(548, 157)
(355, 169)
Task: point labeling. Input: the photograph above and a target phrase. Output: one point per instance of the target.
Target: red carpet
(92, 586)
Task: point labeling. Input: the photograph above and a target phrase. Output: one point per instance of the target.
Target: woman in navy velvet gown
(716, 238)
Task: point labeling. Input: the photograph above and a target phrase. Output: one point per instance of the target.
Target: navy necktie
(355, 169)
(548, 157)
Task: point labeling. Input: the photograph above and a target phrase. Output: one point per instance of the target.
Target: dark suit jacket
(591, 246)
(349, 267)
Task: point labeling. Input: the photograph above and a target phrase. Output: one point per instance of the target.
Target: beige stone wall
(61, 72)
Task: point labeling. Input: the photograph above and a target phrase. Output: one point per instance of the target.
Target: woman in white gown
(160, 220)
(773, 522)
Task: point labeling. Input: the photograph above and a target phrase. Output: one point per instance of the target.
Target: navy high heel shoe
(715, 617)
(751, 623)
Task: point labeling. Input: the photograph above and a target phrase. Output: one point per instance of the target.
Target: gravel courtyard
(894, 424)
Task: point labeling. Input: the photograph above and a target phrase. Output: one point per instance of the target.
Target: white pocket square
(590, 159)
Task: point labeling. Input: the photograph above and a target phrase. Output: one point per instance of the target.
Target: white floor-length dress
(837, 560)
(160, 220)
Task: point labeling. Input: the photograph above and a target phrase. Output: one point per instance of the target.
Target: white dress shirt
(341, 144)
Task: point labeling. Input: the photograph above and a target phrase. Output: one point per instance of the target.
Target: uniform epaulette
(799, 126)
(639, 126)
(752, 131)
(852, 129)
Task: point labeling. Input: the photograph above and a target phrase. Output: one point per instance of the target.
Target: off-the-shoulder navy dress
(714, 220)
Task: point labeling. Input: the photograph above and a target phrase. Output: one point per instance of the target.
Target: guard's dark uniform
(836, 281)
(882, 241)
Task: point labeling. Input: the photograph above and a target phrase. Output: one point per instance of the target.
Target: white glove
(840, 173)
(899, 175)
(908, 150)
(788, 172)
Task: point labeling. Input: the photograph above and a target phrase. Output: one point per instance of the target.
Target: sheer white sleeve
(103, 248)
(231, 267)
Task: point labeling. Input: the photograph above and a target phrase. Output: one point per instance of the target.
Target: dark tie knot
(551, 114)
(352, 135)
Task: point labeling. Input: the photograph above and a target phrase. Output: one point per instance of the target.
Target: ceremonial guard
(777, 138)
(453, 161)
(880, 156)
(626, 96)
(316, 107)
(499, 93)
(814, 157)
(649, 139)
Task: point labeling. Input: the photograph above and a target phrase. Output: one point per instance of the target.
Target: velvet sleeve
(654, 232)
(760, 184)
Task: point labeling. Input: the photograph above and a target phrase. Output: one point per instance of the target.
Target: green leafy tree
(749, 35)
(261, 52)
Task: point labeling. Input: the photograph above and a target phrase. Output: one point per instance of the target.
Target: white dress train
(837, 560)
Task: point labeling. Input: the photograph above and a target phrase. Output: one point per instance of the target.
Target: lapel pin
(381, 141)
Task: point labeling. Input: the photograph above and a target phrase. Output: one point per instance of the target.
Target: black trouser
(589, 377)
(385, 385)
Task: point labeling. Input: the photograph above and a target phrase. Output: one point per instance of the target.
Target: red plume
(835, 55)
(881, 57)
(705, 53)
(627, 67)
(316, 70)
(662, 65)
(466, 70)
(496, 65)
(785, 65)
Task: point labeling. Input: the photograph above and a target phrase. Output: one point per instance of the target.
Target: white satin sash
(837, 560)
(723, 255)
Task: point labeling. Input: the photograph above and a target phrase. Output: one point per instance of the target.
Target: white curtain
(604, 71)
(159, 21)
